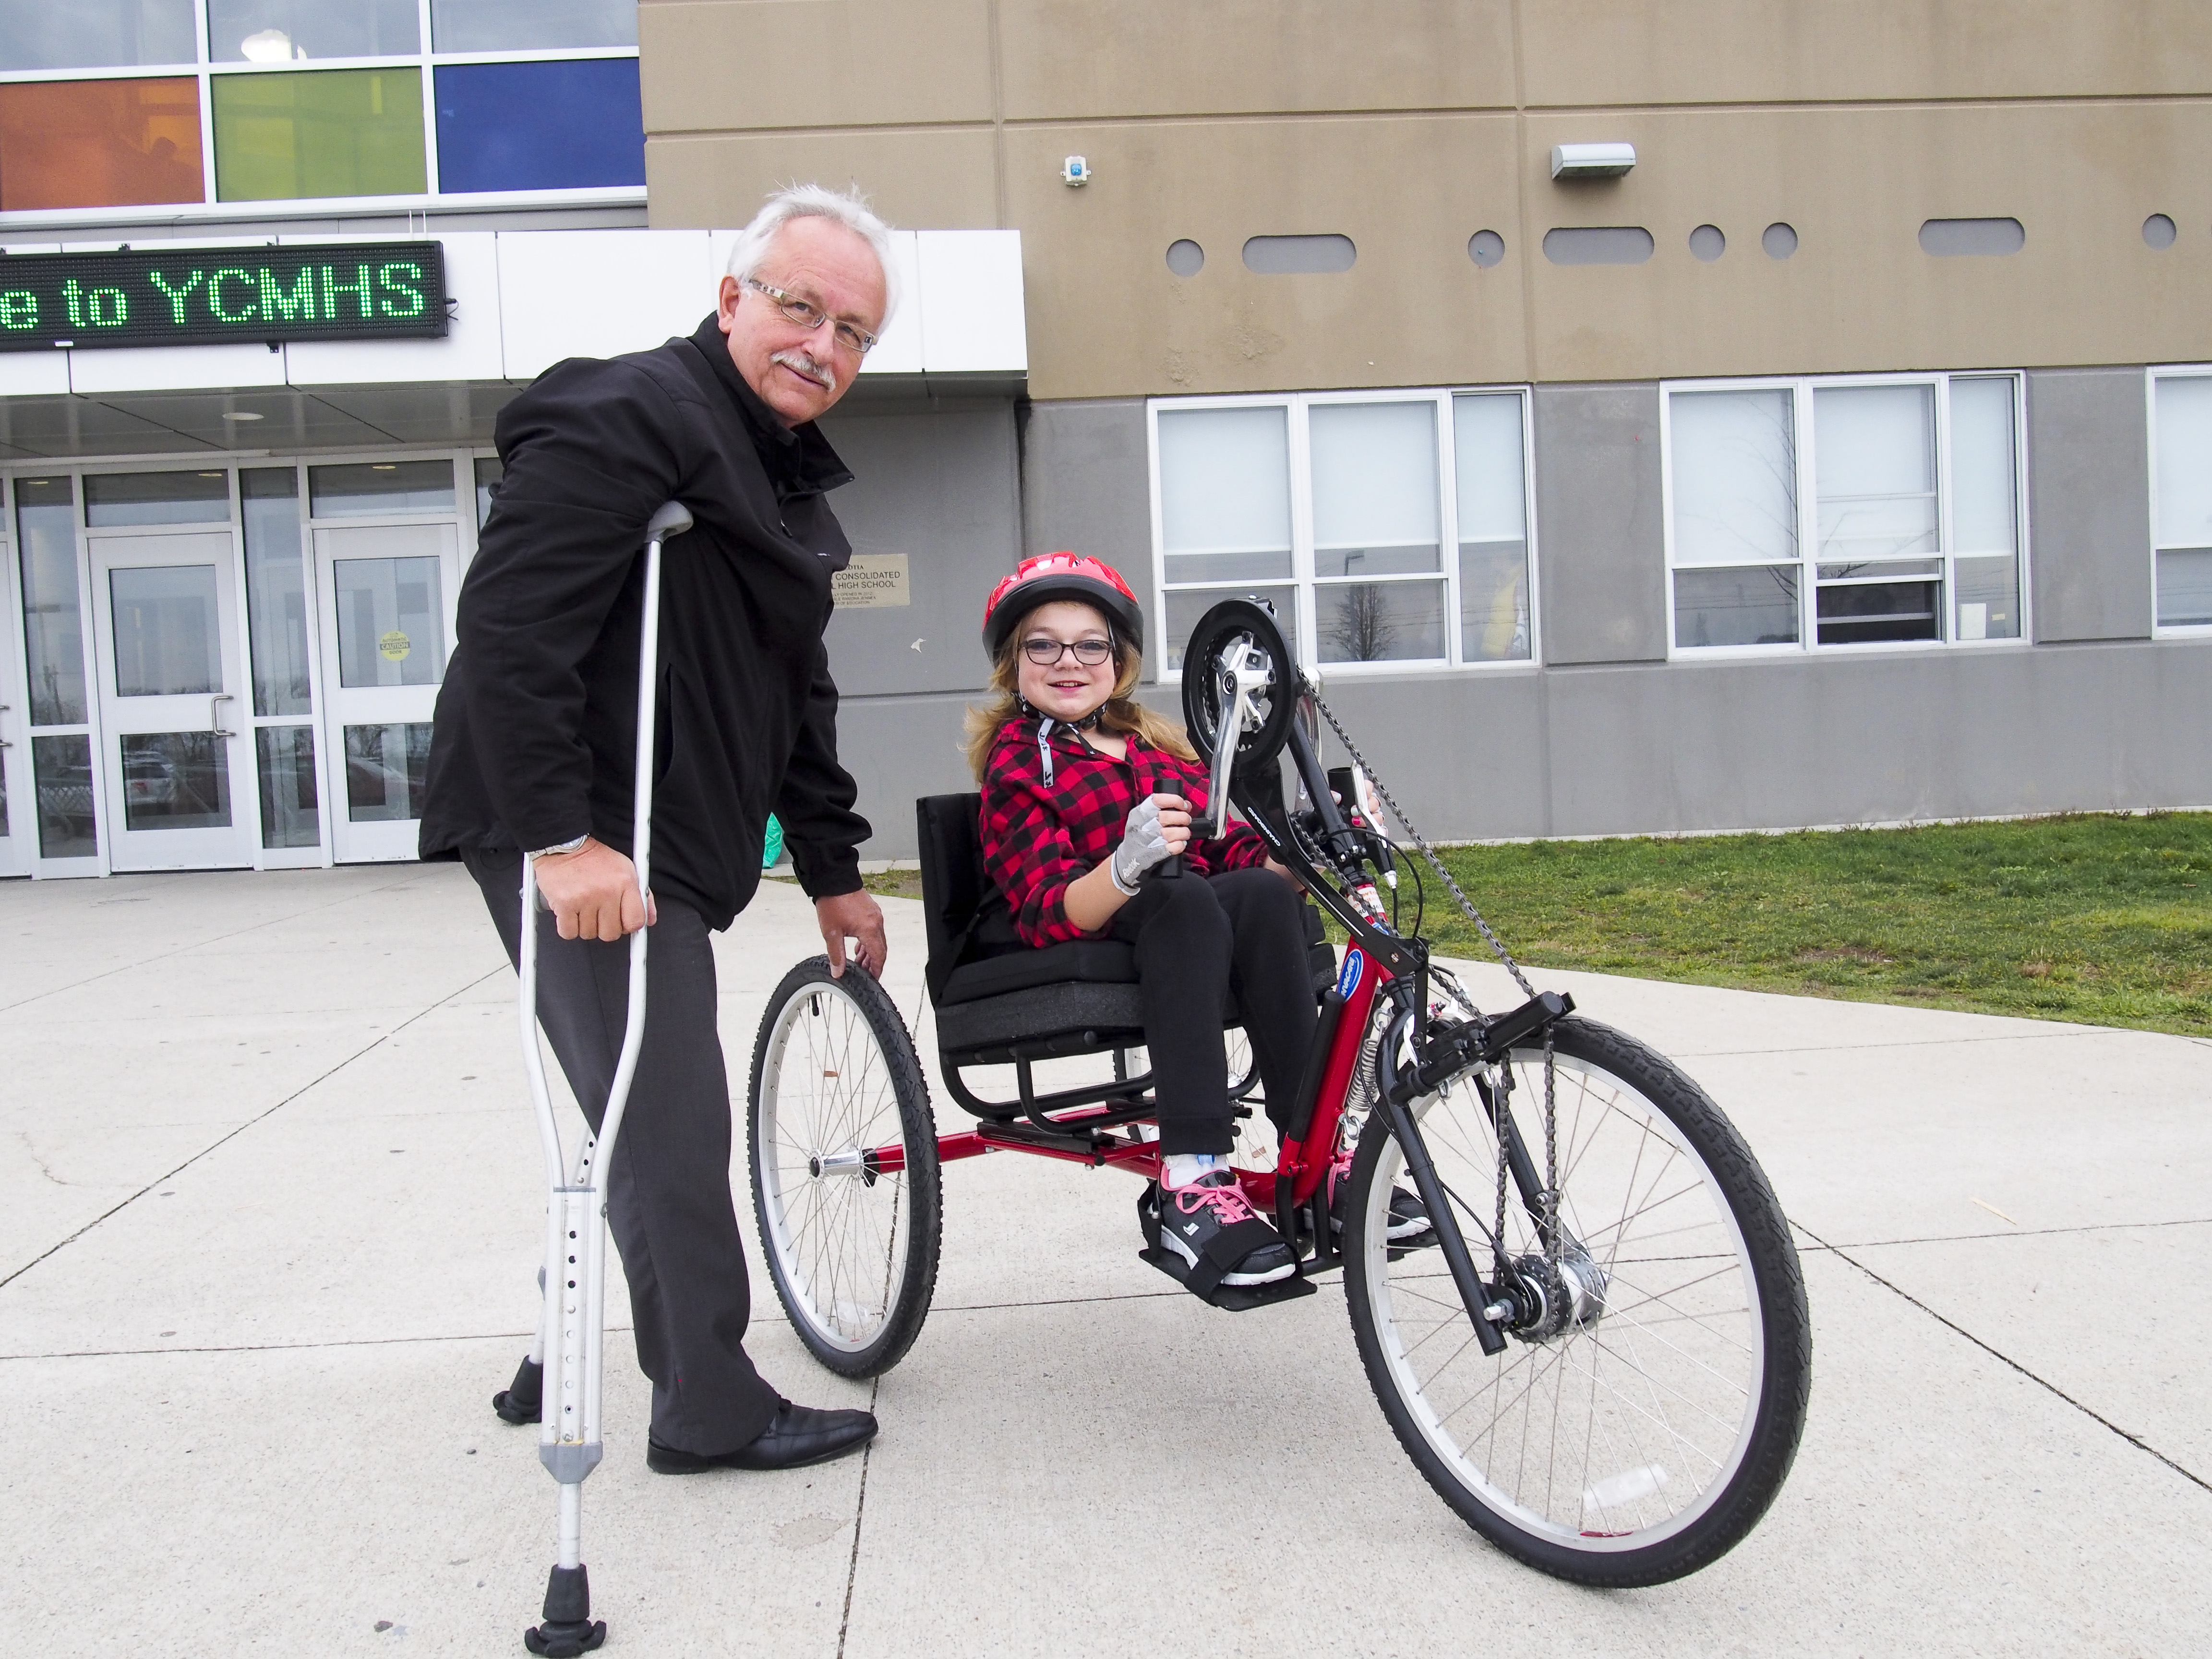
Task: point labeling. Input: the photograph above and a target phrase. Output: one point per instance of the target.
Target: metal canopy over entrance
(226, 666)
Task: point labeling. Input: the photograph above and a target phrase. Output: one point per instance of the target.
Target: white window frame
(424, 59)
(1802, 388)
(2152, 376)
(1304, 634)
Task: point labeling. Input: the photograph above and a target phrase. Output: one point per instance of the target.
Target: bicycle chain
(1426, 852)
(1550, 1204)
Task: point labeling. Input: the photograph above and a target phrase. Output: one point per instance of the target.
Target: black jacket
(536, 722)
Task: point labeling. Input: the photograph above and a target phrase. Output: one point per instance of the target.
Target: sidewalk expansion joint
(2069, 1033)
(859, 1512)
(259, 1117)
(2016, 1232)
(2134, 1439)
(284, 1347)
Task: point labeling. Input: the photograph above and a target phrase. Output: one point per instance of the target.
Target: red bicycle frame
(1304, 1161)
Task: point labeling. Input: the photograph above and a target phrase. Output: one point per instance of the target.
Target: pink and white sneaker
(1211, 1216)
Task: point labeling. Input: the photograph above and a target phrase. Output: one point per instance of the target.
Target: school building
(1646, 417)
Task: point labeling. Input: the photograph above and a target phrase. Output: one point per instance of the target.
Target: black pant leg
(1183, 957)
(668, 1190)
(1270, 977)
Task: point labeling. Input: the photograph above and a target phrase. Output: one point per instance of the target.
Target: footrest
(1232, 1298)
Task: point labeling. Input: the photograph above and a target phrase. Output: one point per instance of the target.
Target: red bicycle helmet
(1051, 576)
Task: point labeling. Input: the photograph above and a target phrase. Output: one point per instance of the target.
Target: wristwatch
(575, 846)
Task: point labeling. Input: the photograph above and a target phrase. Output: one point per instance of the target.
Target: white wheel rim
(1603, 1440)
(840, 1243)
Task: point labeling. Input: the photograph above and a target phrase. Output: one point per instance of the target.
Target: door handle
(214, 714)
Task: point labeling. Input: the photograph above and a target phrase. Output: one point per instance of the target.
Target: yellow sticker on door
(395, 646)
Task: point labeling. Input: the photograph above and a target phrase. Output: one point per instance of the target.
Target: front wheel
(843, 1150)
(1639, 1432)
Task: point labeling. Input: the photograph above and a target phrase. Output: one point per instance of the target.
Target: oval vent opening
(1597, 244)
(1950, 239)
(1299, 256)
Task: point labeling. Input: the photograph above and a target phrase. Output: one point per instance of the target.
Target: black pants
(1198, 942)
(668, 1189)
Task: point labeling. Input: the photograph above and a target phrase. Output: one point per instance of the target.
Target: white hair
(847, 208)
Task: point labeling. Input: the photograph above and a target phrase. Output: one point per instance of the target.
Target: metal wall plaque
(163, 296)
(873, 581)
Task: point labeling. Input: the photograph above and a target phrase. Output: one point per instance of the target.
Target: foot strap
(1226, 1249)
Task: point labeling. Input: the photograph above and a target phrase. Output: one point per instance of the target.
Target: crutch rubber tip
(569, 1628)
(523, 1399)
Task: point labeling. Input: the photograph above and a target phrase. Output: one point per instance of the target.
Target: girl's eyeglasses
(1045, 653)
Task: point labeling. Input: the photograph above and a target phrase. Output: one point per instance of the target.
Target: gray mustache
(820, 374)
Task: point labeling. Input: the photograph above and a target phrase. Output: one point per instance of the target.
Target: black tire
(1613, 1454)
(851, 1247)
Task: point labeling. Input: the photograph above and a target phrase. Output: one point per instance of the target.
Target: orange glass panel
(99, 143)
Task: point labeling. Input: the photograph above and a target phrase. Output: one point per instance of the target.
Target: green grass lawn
(2098, 919)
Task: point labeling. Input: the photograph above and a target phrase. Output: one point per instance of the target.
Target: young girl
(1086, 793)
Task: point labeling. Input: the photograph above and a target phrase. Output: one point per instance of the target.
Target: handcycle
(1598, 1355)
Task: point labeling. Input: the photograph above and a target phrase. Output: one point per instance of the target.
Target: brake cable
(1549, 1201)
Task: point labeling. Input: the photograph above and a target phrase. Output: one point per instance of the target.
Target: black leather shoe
(795, 1437)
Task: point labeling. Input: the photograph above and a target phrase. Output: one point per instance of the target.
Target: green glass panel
(324, 132)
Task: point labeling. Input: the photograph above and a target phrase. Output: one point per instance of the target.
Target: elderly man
(535, 742)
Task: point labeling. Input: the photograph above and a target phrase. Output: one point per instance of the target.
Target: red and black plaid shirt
(1038, 837)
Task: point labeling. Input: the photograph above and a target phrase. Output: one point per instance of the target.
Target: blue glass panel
(540, 126)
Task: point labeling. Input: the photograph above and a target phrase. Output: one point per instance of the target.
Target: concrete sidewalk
(272, 1212)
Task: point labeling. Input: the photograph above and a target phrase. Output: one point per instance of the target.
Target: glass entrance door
(387, 624)
(175, 771)
(17, 823)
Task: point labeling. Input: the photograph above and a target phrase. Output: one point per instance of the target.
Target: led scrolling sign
(210, 296)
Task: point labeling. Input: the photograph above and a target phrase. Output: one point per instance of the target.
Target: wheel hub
(1553, 1301)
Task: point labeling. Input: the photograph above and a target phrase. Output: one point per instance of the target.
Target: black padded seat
(1083, 960)
(994, 993)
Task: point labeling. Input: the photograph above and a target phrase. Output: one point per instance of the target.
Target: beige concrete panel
(1108, 319)
(1595, 53)
(1860, 294)
(1076, 59)
(715, 65)
(941, 178)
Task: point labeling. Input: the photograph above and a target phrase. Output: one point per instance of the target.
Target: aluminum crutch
(571, 1328)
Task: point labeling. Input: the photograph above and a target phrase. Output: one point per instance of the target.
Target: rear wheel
(843, 1150)
(1644, 1435)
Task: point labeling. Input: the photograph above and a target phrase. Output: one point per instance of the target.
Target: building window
(1385, 528)
(1832, 514)
(99, 143)
(542, 125)
(2181, 497)
(308, 101)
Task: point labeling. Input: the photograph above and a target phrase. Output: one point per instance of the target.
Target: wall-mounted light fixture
(1592, 161)
(1075, 171)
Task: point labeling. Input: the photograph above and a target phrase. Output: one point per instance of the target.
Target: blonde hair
(1120, 713)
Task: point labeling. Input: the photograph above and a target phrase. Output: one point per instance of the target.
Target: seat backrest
(948, 832)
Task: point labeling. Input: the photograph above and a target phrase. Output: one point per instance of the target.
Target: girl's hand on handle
(1158, 829)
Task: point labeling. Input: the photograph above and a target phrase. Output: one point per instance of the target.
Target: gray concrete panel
(1689, 747)
(1087, 485)
(1680, 748)
(940, 485)
(2089, 490)
(898, 749)
(1600, 559)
